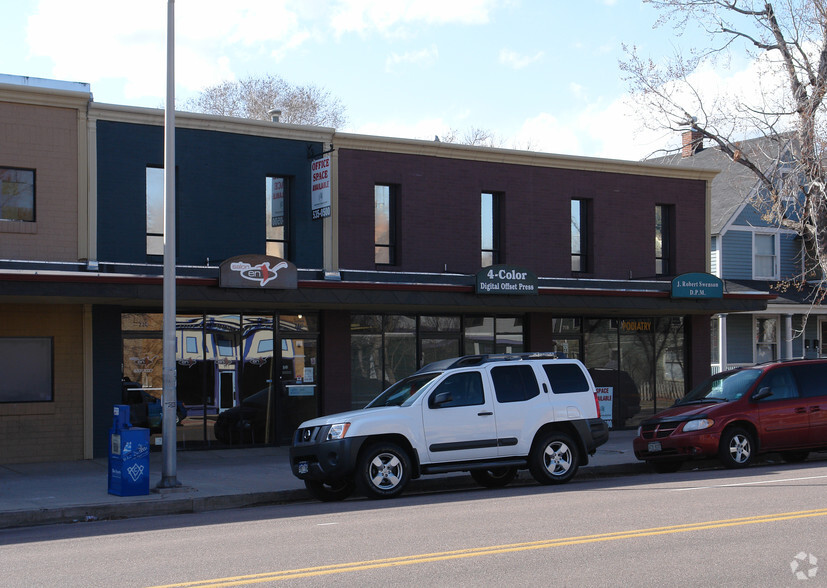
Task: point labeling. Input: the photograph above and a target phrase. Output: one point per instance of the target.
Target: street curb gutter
(189, 505)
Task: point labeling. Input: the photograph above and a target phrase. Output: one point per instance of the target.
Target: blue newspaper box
(128, 455)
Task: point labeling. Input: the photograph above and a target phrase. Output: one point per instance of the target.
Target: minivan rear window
(812, 379)
(566, 378)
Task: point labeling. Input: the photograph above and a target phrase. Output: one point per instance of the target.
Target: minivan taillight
(597, 404)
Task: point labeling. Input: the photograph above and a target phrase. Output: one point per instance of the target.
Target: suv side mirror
(441, 398)
(764, 392)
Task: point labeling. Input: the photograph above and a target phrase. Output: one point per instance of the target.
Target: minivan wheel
(330, 491)
(794, 456)
(737, 448)
(494, 477)
(554, 459)
(383, 470)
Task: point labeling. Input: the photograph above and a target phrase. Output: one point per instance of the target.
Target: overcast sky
(538, 73)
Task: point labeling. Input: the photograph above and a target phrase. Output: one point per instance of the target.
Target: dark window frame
(388, 249)
(580, 258)
(664, 239)
(284, 241)
(492, 255)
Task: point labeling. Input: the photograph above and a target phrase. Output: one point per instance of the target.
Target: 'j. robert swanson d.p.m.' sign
(258, 271)
(697, 285)
(506, 279)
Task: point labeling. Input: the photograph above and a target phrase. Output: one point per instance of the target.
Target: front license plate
(303, 467)
(655, 446)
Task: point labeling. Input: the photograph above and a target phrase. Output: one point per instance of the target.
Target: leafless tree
(254, 97)
(473, 136)
(787, 43)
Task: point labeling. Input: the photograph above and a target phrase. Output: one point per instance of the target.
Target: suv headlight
(698, 425)
(337, 431)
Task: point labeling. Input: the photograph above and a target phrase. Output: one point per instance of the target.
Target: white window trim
(776, 262)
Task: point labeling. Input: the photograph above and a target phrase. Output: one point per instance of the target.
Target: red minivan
(735, 415)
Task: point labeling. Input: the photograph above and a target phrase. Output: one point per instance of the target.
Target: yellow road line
(493, 550)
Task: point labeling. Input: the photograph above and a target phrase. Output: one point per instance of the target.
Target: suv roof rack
(473, 360)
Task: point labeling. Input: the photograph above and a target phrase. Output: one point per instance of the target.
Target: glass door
(298, 380)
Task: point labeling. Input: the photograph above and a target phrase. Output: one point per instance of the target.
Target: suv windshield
(403, 391)
(722, 387)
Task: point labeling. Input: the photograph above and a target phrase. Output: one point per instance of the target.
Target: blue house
(751, 253)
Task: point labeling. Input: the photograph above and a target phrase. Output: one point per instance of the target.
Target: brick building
(384, 273)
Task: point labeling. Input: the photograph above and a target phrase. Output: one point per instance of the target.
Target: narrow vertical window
(490, 229)
(764, 264)
(663, 240)
(384, 229)
(579, 236)
(16, 194)
(277, 198)
(154, 211)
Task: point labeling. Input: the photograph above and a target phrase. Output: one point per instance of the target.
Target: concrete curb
(196, 504)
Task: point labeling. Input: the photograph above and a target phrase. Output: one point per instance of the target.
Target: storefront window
(479, 335)
(439, 338)
(366, 364)
(400, 348)
(239, 380)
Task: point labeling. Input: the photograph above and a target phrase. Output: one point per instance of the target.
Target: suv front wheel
(383, 470)
(554, 458)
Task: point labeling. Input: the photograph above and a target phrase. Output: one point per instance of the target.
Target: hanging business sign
(697, 285)
(320, 171)
(258, 271)
(506, 279)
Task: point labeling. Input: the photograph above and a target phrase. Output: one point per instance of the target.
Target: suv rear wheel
(383, 470)
(494, 477)
(554, 459)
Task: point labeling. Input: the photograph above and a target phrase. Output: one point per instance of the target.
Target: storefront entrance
(241, 379)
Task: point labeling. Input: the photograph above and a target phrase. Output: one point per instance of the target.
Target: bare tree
(473, 136)
(254, 97)
(787, 43)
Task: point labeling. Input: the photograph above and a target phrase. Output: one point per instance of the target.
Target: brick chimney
(693, 141)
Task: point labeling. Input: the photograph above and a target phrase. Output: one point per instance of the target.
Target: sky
(538, 74)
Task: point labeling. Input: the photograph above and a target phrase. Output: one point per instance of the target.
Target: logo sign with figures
(258, 271)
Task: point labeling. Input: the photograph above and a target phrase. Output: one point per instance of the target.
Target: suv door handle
(486, 413)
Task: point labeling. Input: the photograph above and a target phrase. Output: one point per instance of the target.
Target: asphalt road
(757, 527)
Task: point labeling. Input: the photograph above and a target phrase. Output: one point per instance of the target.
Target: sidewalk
(65, 492)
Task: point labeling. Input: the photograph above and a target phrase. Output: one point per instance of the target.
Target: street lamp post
(169, 395)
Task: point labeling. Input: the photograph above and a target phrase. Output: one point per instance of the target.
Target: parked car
(736, 415)
(490, 415)
(245, 423)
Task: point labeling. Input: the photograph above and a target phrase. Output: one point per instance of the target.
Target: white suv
(490, 415)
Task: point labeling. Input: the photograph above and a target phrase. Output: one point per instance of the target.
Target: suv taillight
(597, 404)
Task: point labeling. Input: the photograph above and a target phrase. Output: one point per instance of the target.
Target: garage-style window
(16, 194)
(514, 383)
(26, 364)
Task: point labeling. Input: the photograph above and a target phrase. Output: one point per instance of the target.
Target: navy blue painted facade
(220, 193)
